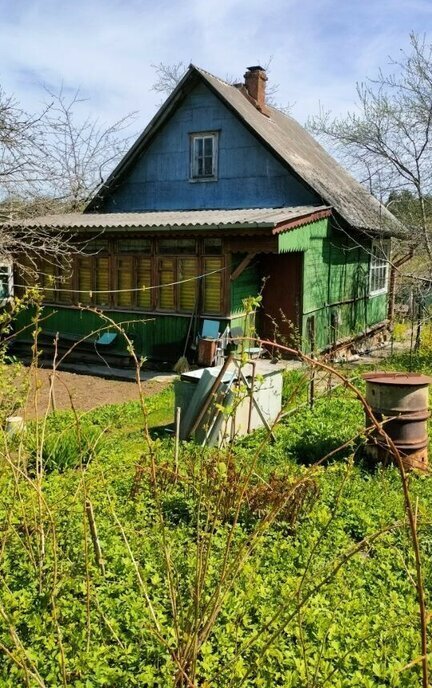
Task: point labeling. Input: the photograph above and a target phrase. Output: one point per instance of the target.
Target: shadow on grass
(161, 431)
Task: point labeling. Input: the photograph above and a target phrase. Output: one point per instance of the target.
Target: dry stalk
(26, 664)
(407, 498)
(94, 535)
(206, 608)
(284, 621)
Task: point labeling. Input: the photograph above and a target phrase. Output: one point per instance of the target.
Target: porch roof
(276, 220)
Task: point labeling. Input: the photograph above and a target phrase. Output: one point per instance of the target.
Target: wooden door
(282, 297)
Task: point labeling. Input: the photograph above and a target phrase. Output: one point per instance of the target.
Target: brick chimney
(255, 80)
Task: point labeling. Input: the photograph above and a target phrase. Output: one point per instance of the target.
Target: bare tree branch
(387, 141)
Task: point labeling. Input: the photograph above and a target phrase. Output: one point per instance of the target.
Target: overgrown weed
(237, 567)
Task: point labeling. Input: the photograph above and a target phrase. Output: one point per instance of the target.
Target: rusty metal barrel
(401, 400)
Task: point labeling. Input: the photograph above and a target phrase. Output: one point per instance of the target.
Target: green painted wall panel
(161, 336)
(299, 239)
(246, 285)
(156, 336)
(336, 271)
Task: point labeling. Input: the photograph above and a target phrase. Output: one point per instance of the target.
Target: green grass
(360, 629)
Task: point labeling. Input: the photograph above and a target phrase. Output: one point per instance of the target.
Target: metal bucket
(403, 398)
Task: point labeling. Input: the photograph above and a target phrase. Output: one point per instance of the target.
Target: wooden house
(221, 198)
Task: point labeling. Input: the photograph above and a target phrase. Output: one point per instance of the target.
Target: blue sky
(320, 48)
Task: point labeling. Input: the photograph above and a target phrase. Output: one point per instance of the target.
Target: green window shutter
(187, 270)
(212, 300)
(143, 271)
(125, 297)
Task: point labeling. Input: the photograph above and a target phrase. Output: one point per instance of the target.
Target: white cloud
(320, 48)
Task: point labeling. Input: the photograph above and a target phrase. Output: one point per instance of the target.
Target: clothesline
(132, 289)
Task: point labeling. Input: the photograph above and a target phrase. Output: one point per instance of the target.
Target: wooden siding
(248, 176)
(334, 281)
(160, 337)
(336, 290)
(247, 284)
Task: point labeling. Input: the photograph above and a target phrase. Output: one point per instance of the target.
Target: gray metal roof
(248, 218)
(310, 161)
(291, 143)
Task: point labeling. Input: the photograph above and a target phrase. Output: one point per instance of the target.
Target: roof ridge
(213, 76)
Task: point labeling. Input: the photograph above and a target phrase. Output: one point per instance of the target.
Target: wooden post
(94, 536)
(251, 393)
(311, 335)
(255, 403)
(419, 324)
(312, 389)
(177, 440)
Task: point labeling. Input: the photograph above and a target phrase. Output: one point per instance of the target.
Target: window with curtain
(48, 274)
(102, 281)
(25, 275)
(127, 279)
(65, 293)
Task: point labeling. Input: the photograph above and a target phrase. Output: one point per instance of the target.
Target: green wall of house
(247, 284)
(336, 289)
(155, 336)
(335, 294)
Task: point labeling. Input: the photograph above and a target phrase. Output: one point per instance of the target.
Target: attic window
(379, 263)
(203, 148)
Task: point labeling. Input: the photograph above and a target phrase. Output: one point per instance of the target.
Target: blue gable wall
(248, 175)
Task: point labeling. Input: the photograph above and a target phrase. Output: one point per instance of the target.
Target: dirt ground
(85, 392)
(89, 391)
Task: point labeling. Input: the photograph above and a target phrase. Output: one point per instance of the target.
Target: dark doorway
(282, 296)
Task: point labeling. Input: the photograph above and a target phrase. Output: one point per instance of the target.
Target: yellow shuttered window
(48, 280)
(65, 284)
(166, 277)
(125, 281)
(212, 297)
(25, 275)
(102, 273)
(85, 285)
(187, 270)
(143, 273)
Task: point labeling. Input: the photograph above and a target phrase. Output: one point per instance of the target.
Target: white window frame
(379, 260)
(7, 265)
(194, 138)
